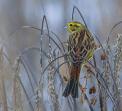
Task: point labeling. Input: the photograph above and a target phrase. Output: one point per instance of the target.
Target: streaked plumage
(81, 46)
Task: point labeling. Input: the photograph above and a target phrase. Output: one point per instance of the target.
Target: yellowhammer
(81, 46)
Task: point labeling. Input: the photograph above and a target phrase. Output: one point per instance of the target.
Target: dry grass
(101, 76)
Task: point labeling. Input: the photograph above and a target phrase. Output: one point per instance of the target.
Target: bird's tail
(72, 85)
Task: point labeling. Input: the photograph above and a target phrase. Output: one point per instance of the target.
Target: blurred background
(100, 16)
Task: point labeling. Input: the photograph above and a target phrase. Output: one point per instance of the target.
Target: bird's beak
(65, 27)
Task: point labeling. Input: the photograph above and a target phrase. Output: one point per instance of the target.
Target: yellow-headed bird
(81, 46)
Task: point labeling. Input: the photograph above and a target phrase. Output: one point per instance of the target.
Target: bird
(81, 47)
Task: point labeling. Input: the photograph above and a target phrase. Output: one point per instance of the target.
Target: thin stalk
(30, 104)
(28, 75)
(3, 94)
(49, 65)
(81, 15)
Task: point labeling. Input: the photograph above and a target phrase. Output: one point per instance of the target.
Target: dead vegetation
(99, 84)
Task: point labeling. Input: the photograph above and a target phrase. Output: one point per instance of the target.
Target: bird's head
(75, 26)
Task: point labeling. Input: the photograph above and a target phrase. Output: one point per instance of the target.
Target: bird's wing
(74, 45)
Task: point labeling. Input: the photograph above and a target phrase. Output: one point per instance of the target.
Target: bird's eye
(70, 25)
